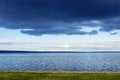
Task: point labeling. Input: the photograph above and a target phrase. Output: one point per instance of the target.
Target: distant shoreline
(12, 51)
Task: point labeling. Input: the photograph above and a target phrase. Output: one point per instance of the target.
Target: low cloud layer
(39, 17)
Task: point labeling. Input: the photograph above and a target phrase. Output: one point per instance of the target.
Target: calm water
(61, 61)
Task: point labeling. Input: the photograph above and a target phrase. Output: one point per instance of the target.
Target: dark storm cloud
(52, 31)
(38, 17)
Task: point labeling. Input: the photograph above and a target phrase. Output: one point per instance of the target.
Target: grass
(58, 76)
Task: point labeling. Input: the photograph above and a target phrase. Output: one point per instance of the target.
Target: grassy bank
(58, 76)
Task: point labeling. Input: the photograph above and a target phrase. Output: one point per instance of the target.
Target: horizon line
(27, 51)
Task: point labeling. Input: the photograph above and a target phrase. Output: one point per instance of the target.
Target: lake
(60, 61)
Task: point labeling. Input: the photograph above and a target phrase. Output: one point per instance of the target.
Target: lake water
(60, 61)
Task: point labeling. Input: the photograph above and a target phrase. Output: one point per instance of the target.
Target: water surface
(60, 61)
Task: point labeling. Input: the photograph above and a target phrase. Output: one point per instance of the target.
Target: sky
(60, 25)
